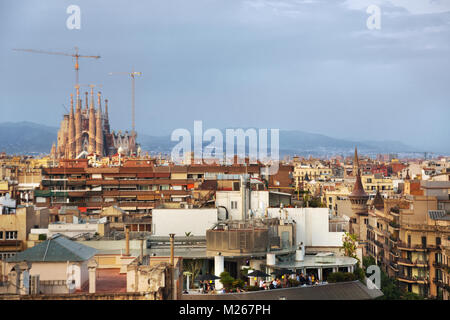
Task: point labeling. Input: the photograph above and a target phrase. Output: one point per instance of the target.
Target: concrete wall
(73, 229)
(312, 226)
(259, 200)
(180, 221)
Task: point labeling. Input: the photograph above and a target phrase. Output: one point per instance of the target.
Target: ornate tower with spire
(106, 122)
(99, 129)
(92, 124)
(355, 163)
(358, 199)
(78, 124)
(89, 130)
(71, 141)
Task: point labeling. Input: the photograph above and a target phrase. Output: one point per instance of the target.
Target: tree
(349, 245)
(194, 267)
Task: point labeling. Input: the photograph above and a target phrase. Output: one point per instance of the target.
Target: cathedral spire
(355, 163)
(77, 142)
(91, 148)
(106, 122)
(86, 101)
(71, 144)
(99, 129)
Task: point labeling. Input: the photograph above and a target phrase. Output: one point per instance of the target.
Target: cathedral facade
(86, 131)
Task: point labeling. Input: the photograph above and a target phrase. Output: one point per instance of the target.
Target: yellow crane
(75, 55)
(133, 74)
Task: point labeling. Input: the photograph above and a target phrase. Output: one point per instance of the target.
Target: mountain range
(32, 138)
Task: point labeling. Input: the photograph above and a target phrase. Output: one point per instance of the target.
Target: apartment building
(409, 239)
(16, 225)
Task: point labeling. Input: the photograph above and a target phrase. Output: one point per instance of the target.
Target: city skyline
(246, 63)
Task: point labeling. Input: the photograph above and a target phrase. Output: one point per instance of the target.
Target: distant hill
(33, 138)
(26, 138)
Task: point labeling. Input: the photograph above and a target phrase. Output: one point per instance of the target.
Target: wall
(312, 226)
(180, 221)
(72, 230)
(259, 200)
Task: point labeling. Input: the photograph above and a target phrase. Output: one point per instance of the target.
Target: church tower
(78, 129)
(99, 129)
(71, 142)
(358, 199)
(92, 125)
(355, 163)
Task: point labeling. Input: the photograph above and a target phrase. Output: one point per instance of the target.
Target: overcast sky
(310, 65)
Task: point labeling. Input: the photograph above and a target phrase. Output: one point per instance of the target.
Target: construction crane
(132, 74)
(76, 55)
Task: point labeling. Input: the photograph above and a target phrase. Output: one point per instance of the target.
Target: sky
(309, 65)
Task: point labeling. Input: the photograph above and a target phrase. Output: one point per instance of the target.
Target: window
(424, 241)
(438, 241)
(11, 235)
(233, 204)
(1, 235)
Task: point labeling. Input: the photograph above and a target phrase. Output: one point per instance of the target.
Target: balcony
(413, 279)
(395, 212)
(417, 263)
(405, 262)
(393, 266)
(409, 247)
(439, 282)
(379, 244)
(394, 253)
(394, 225)
(10, 245)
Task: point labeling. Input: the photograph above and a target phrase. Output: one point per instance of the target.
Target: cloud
(415, 7)
(291, 8)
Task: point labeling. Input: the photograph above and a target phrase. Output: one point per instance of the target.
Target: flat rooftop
(108, 281)
(353, 290)
(317, 262)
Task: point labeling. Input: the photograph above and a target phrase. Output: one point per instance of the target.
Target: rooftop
(354, 290)
(56, 249)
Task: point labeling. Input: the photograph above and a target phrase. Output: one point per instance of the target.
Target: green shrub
(341, 277)
(359, 274)
(253, 288)
(226, 280)
(43, 237)
(238, 283)
(294, 282)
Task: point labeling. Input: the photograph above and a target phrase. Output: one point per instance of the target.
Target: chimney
(92, 267)
(172, 237)
(127, 240)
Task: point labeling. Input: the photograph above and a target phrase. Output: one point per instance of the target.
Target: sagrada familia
(86, 131)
